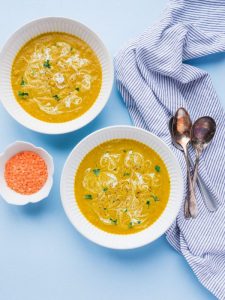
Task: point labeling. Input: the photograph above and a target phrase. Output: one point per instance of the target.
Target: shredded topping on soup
(122, 186)
(56, 77)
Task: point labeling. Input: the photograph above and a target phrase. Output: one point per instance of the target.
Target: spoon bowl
(203, 131)
(181, 127)
(170, 125)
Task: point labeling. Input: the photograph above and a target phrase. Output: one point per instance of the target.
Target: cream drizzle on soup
(122, 186)
(56, 77)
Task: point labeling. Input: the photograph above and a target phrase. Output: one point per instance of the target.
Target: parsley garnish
(157, 168)
(148, 202)
(56, 97)
(114, 221)
(105, 189)
(130, 225)
(22, 94)
(46, 64)
(139, 222)
(88, 196)
(155, 197)
(77, 89)
(22, 82)
(96, 171)
(126, 174)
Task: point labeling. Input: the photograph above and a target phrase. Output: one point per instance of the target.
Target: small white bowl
(26, 33)
(117, 241)
(11, 196)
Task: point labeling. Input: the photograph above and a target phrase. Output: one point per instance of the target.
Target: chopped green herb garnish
(88, 196)
(105, 208)
(124, 150)
(155, 197)
(126, 174)
(71, 48)
(22, 82)
(157, 168)
(114, 221)
(105, 189)
(77, 89)
(56, 97)
(139, 222)
(130, 225)
(148, 202)
(96, 171)
(22, 94)
(125, 210)
(46, 64)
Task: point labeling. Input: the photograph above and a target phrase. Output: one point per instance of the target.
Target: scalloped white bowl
(117, 241)
(26, 33)
(11, 196)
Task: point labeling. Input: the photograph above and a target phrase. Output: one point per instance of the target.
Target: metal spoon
(202, 134)
(207, 197)
(181, 130)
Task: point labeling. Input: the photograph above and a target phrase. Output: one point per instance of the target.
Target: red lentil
(26, 172)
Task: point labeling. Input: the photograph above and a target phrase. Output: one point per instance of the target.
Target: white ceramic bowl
(29, 31)
(103, 238)
(11, 196)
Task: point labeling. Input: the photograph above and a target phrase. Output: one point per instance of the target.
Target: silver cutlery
(202, 133)
(207, 196)
(181, 132)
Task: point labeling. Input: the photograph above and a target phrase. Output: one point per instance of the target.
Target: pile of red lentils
(26, 172)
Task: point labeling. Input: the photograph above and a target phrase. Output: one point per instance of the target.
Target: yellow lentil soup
(56, 77)
(122, 186)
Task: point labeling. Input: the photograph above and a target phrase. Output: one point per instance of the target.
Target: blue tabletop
(42, 257)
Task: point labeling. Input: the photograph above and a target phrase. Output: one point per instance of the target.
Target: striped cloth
(155, 78)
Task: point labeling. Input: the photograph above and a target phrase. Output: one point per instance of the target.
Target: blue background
(42, 257)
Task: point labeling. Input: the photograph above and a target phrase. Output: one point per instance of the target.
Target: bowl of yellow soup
(56, 75)
(121, 187)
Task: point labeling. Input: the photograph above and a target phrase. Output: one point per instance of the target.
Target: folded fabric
(155, 78)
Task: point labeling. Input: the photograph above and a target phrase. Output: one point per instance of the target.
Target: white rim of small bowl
(13, 197)
(26, 33)
(97, 235)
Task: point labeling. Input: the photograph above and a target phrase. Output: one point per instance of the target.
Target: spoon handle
(194, 179)
(192, 203)
(207, 196)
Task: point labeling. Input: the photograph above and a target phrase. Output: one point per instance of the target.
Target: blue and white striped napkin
(155, 80)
